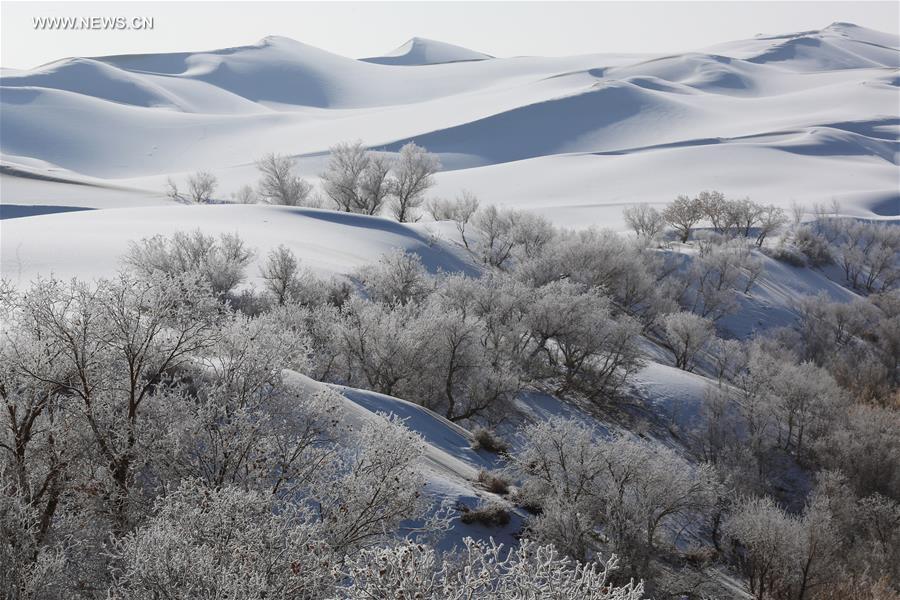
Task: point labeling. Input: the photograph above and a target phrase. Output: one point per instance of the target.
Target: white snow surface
(807, 117)
(449, 465)
(422, 51)
(90, 244)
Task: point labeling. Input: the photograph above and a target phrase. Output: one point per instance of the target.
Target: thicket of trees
(152, 442)
(726, 217)
(151, 446)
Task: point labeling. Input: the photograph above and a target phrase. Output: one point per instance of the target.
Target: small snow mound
(421, 51)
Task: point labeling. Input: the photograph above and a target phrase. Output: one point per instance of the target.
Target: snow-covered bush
(686, 335)
(371, 487)
(278, 184)
(784, 557)
(201, 186)
(493, 482)
(481, 570)
(460, 211)
(683, 214)
(355, 179)
(574, 330)
(397, 278)
(227, 543)
(220, 262)
(286, 281)
(644, 220)
(413, 175)
(629, 490)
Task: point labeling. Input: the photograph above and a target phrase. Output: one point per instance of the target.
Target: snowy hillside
(89, 244)
(811, 117)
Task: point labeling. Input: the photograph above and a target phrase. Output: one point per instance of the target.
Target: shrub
(220, 262)
(491, 514)
(526, 500)
(813, 246)
(485, 439)
(278, 184)
(790, 254)
(493, 482)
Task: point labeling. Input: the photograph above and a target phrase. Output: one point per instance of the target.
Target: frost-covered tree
(709, 284)
(803, 399)
(729, 358)
(397, 278)
(364, 496)
(495, 242)
(628, 487)
(771, 219)
(626, 270)
(531, 234)
(30, 568)
(287, 281)
(268, 433)
(201, 186)
(228, 543)
(575, 332)
(356, 179)
(482, 570)
(114, 345)
(461, 375)
(278, 184)
(868, 253)
(865, 446)
(245, 195)
(717, 210)
(413, 175)
(644, 220)
(220, 263)
(683, 214)
(173, 193)
(784, 557)
(687, 334)
(280, 273)
(460, 211)
(380, 349)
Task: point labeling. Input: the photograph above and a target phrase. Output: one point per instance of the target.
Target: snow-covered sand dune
(805, 117)
(91, 243)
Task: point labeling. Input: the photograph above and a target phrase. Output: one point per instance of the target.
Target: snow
(449, 464)
(422, 51)
(807, 117)
(89, 244)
